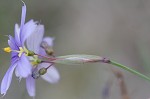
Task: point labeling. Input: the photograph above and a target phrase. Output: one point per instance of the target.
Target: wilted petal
(24, 66)
(27, 30)
(30, 85)
(52, 75)
(35, 39)
(7, 79)
(49, 40)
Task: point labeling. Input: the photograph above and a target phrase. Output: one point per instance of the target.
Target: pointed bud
(48, 49)
(44, 44)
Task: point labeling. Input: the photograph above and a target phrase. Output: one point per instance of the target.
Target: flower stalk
(130, 70)
(81, 59)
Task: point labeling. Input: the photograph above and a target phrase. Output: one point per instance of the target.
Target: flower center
(32, 57)
(21, 50)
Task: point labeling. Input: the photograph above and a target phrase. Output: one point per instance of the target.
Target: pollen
(7, 49)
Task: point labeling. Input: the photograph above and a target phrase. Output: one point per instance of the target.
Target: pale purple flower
(34, 44)
(19, 61)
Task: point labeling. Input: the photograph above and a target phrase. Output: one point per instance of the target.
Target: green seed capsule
(42, 71)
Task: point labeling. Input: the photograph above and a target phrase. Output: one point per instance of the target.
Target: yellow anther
(7, 49)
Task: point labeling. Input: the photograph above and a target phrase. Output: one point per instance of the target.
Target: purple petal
(24, 66)
(12, 43)
(27, 30)
(49, 40)
(14, 57)
(7, 79)
(52, 75)
(17, 72)
(17, 34)
(35, 39)
(30, 85)
(13, 46)
(23, 16)
(42, 51)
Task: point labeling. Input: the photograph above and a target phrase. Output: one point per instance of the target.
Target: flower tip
(7, 49)
(3, 94)
(23, 2)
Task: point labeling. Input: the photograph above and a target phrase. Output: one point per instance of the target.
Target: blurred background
(118, 29)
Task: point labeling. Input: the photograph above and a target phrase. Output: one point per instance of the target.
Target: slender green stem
(130, 70)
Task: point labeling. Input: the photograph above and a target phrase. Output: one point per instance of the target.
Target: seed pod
(42, 71)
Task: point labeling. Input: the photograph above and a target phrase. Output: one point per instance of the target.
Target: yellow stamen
(21, 51)
(7, 49)
(34, 63)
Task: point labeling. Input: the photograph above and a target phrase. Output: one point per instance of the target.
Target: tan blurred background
(118, 29)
